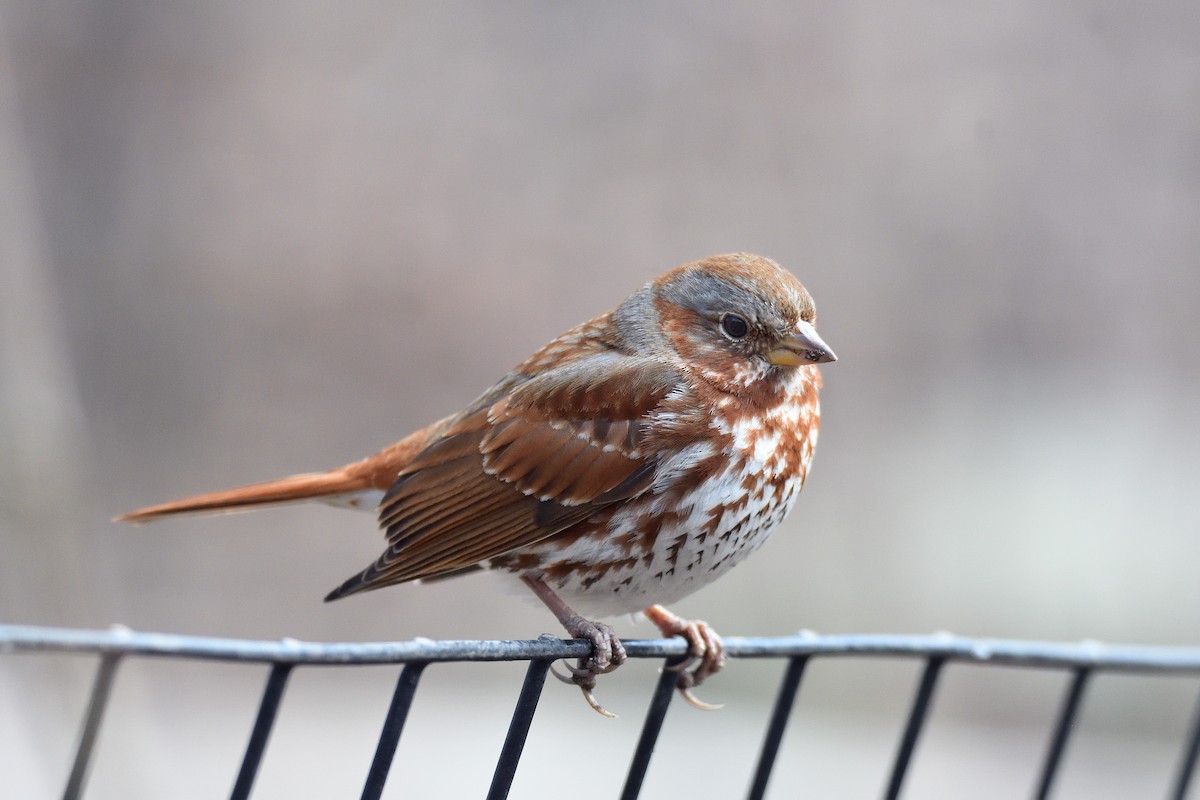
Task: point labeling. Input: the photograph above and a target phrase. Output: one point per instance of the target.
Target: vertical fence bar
(1187, 759)
(97, 702)
(518, 729)
(393, 725)
(912, 731)
(779, 719)
(1062, 731)
(272, 696)
(655, 715)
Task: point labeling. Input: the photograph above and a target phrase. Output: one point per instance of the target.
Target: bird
(627, 463)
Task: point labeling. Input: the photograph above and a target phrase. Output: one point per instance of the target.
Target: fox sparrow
(627, 463)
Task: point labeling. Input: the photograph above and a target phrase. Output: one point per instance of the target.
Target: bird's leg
(705, 651)
(607, 651)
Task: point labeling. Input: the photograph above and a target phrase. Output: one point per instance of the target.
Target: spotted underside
(717, 505)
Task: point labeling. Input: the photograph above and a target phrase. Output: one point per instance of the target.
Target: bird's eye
(734, 326)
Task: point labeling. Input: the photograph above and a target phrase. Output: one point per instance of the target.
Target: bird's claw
(683, 666)
(586, 681)
(560, 676)
(595, 704)
(607, 654)
(696, 702)
(583, 669)
(705, 656)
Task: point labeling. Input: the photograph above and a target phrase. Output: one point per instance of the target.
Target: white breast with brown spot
(725, 518)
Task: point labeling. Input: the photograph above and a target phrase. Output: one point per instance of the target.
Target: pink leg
(705, 651)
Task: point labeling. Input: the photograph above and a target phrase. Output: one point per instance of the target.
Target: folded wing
(520, 467)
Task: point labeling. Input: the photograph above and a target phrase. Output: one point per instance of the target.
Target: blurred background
(243, 240)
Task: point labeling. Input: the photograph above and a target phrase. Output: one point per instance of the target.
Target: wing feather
(521, 465)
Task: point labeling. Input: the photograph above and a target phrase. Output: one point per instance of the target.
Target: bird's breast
(716, 501)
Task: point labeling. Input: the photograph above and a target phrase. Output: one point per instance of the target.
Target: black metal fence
(1081, 662)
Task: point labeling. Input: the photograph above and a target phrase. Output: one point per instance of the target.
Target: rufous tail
(310, 486)
(339, 486)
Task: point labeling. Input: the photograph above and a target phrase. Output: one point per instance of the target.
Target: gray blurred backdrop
(243, 240)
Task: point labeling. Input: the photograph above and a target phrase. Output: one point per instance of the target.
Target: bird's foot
(607, 651)
(607, 654)
(705, 656)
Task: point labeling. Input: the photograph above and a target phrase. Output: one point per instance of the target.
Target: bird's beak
(804, 346)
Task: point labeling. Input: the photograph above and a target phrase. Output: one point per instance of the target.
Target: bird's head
(737, 320)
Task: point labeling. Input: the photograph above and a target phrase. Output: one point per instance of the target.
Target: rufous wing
(521, 467)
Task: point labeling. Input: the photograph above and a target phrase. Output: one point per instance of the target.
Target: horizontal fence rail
(119, 640)
(1081, 661)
